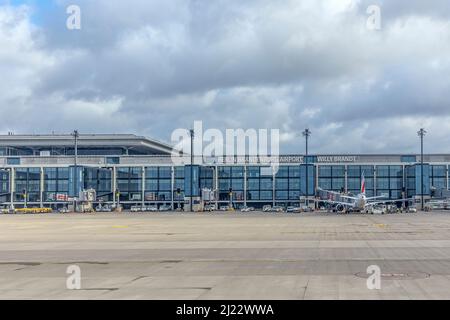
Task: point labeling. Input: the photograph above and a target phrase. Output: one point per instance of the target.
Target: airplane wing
(348, 197)
(377, 197)
(349, 204)
(337, 194)
(387, 201)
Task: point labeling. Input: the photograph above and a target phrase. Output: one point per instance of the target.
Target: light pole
(306, 134)
(421, 133)
(76, 135)
(192, 134)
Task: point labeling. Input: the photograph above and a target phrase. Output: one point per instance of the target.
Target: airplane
(360, 202)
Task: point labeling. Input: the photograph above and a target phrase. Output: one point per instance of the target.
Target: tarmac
(225, 256)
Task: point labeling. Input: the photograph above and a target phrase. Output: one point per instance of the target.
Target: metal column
(216, 186)
(143, 188)
(317, 175)
(245, 185)
(421, 172)
(41, 188)
(273, 188)
(114, 185)
(172, 186)
(374, 181)
(421, 134)
(446, 176)
(346, 178)
(12, 177)
(191, 175)
(404, 187)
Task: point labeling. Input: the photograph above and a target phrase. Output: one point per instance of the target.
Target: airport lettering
(186, 310)
(331, 159)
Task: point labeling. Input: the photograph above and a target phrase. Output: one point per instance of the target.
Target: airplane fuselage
(361, 201)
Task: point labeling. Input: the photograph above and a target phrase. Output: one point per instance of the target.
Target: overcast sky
(149, 67)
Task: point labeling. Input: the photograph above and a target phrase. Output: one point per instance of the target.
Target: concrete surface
(225, 256)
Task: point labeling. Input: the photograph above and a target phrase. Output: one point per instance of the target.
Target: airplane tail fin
(363, 184)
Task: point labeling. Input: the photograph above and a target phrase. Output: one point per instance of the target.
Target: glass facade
(5, 188)
(251, 183)
(178, 187)
(433, 176)
(439, 176)
(231, 183)
(207, 178)
(288, 184)
(129, 183)
(410, 186)
(99, 179)
(56, 182)
(389, 181)
(158, 184)
(311, 180)
(354, 174)
(192, 181)
(27, 184)
(260, 183)
(332, 178)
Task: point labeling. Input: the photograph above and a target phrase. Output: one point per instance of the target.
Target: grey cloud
(149, 67)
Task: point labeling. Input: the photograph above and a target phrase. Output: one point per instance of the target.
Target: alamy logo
(374, 280)
(238, 145)
(73, 281)
(374, 19)
(73, 22)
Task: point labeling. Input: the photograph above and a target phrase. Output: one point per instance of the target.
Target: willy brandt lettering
(336, 159)
(319, 159)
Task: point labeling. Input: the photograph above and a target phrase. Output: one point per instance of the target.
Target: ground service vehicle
(165, 207)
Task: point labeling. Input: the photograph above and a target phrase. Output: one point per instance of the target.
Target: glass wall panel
(281, 195)
(294, 171)
(252, 195)
(281, 184)
(395, 171)
(237, 184)
(99, 179)
(129, 182)
(382, 183)
(338, 171)
(265, 195)
(311, 179)
(5, 195)
(253, 184)
(237, 172)
(28, 183)
(253, 172)
(283, 172)
(266, 184)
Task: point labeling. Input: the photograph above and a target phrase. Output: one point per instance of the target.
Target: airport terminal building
(42, 170)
